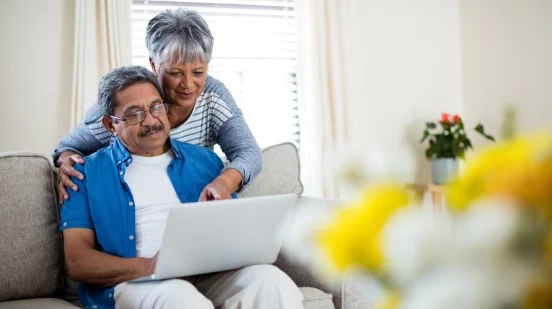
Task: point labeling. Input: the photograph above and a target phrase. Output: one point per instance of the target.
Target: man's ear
(153, 68)
(109, 125)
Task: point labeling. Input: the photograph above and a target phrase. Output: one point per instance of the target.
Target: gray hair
(119, 79)
(179, 32)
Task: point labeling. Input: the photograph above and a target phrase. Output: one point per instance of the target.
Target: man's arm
(86, 264)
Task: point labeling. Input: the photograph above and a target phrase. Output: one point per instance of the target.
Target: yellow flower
(539, 296)
(520, 169)
(354, 236)
(391, 302)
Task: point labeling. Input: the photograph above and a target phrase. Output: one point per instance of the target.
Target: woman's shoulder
(216, 94)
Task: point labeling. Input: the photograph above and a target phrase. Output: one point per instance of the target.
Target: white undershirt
(153, 193)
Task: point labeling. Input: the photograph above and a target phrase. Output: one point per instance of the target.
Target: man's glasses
(139, 116)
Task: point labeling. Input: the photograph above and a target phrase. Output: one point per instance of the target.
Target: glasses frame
(143, 112)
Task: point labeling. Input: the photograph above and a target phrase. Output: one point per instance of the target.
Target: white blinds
(255, 55)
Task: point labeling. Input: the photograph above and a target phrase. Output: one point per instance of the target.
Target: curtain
(102, 41)
(321, 94)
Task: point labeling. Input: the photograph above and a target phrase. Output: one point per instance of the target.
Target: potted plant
(447, 144)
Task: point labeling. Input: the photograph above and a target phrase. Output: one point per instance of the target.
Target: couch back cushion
(280, 174)
(30, 244)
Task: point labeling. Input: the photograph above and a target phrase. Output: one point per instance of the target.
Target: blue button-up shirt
(104, 202)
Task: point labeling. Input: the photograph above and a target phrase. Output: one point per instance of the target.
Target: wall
(506, 58)
(402, 68)
(36, 61)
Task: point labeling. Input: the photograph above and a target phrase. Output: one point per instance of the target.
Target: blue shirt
(104, 202)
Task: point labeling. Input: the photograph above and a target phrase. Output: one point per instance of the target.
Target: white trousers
(252, 287)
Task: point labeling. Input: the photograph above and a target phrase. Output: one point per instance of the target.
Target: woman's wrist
(63, 157)
(231, 179)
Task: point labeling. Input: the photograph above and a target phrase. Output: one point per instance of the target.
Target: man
(113, 225)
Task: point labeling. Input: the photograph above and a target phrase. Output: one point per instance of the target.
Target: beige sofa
(31, 264)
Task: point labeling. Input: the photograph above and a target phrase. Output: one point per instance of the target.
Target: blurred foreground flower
(355, 236)
(496, 253)
(520, 169)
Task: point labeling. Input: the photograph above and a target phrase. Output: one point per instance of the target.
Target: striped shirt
(215, 119)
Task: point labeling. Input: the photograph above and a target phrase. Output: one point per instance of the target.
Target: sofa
(32, 271)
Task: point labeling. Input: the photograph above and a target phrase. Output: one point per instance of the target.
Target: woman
(202, 111)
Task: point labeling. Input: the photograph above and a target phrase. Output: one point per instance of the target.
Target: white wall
(402, 69)
(507, 58)
(36, 61)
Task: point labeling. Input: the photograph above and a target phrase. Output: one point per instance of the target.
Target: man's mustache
(151, 129)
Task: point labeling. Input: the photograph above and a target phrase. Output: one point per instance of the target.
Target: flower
(456, 119)
(451, 141)
(390, 302)
(355, 235)
(495, 252)
(520, 169)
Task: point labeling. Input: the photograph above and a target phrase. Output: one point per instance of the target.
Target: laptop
(215, 236)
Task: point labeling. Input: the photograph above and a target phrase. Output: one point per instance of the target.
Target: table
(437, 193)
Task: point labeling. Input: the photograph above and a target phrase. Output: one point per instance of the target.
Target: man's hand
(150, 264)
(66, 160)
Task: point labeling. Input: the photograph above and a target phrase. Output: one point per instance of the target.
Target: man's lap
(217, 289)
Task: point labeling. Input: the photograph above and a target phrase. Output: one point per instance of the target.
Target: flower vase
(443, 169)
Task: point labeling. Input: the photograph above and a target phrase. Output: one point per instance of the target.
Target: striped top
(215, 119)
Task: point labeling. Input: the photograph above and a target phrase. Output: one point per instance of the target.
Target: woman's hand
(66, 160)
(222, 187)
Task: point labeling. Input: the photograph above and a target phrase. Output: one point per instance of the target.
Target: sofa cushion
(30, 244)
(280, 173)
(39, 303)
(316, 299)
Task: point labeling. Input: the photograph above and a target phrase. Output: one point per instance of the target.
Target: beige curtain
(102, 41)
(321, 94)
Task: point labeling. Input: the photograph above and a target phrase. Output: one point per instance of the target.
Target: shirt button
(118, 162)
(130, 204)
(121, 173)
(64, 223)
(131, 237)
(94, 307)
(110, 295)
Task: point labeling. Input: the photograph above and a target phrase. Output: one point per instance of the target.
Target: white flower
(486, 231)
(412, 244)
(470, 264)
(300, 231)
(460, 286)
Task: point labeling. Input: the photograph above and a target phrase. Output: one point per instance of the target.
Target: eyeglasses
(139, 116)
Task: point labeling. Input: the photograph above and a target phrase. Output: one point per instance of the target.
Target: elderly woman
(202, 111)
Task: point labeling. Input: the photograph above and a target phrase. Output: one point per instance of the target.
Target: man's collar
(122, 154)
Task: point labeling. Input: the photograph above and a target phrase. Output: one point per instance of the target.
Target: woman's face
(182, 83)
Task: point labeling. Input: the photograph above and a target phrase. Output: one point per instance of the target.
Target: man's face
(149, 137)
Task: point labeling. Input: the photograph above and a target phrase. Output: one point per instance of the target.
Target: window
(254, 55)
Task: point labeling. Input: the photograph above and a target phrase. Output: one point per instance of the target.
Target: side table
(437, 193)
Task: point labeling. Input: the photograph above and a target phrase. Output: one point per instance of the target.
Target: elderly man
(113, 225)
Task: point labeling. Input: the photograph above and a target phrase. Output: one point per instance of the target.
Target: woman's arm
(81, 140)
(241, 149)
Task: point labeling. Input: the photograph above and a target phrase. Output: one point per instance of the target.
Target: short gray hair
(119, 79)
(181, 31)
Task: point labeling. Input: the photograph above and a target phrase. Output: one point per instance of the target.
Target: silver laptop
(215, 236)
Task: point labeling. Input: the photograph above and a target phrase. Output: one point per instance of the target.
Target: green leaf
(426, 135)
(431, 125)
(481, 130)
